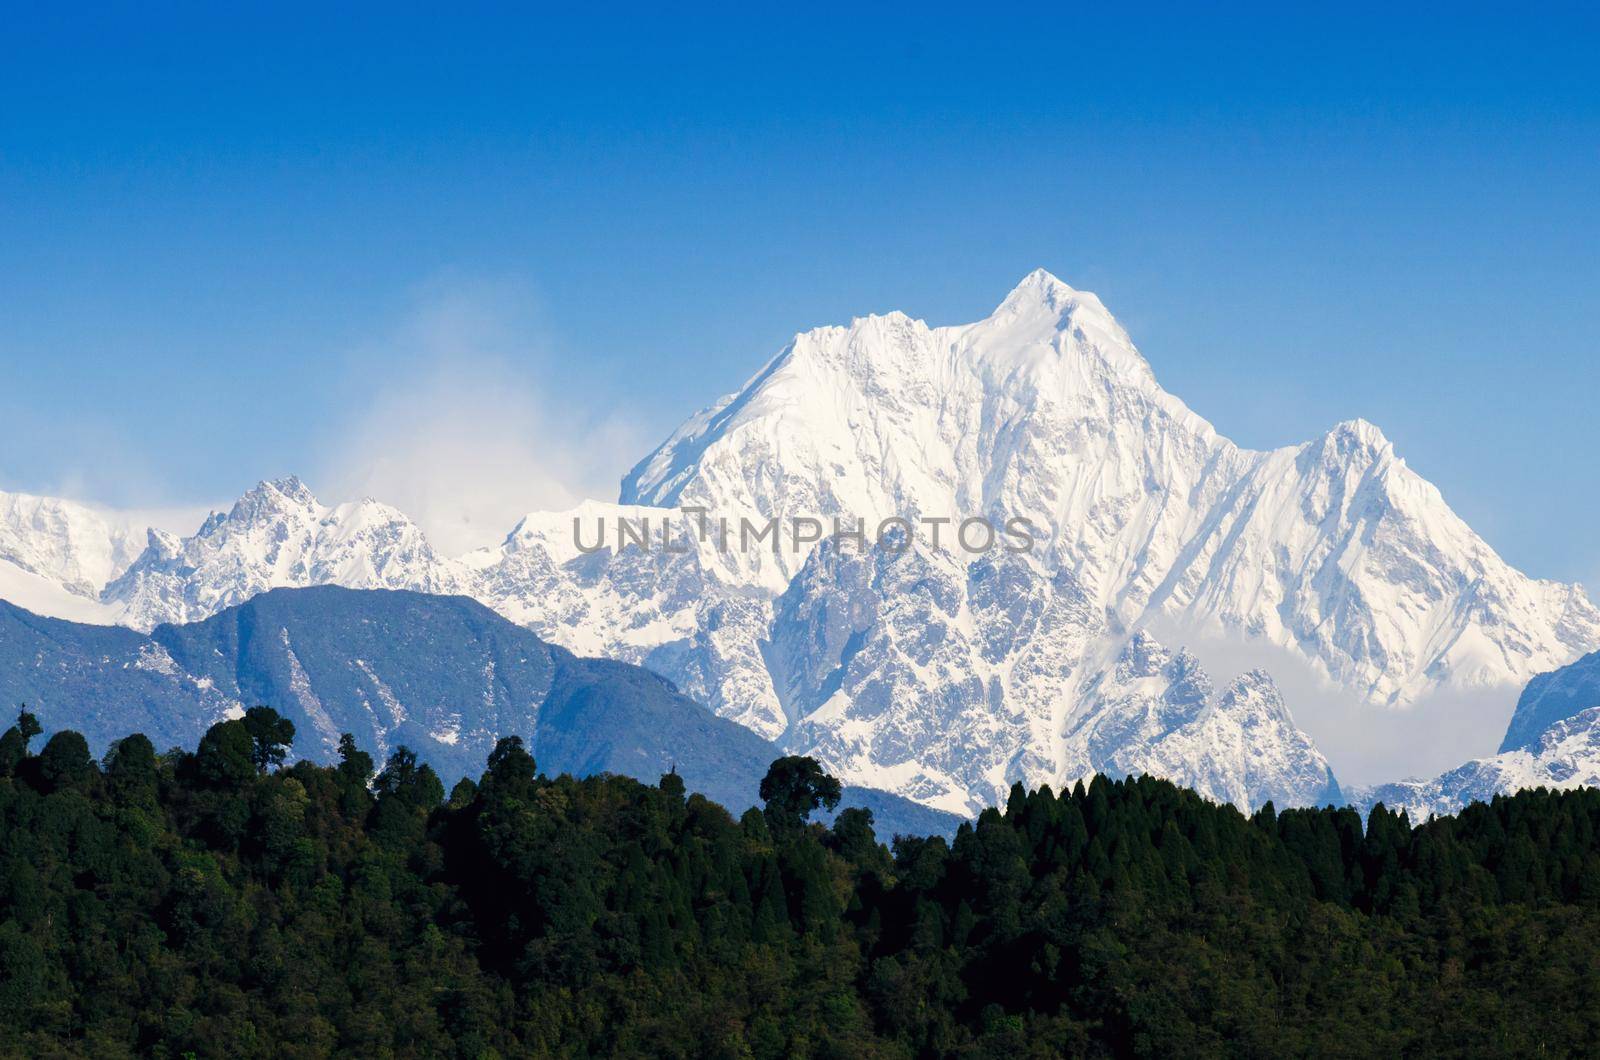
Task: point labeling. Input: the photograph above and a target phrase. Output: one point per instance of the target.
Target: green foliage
(12, 750)
(65, 761)
(270, 737)
(14, 741)
(199, 904)
(793, 789)
(225, 757)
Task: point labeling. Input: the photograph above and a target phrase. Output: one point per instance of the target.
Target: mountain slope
(77, 547)
(443, 675)
(1157, 712)
(104, 681)
(1551, 698)
(1553, 741)
(46, 596)
(947, 673)
(1045, 410)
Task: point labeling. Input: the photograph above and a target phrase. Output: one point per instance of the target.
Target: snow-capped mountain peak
(166, 545)
(277, 535)
(271, 499)
(1359, 433)
(1043, 301)
(1335, 549)
(77, 546)
(947, 674)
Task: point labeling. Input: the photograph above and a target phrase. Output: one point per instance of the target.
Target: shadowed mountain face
(1553, 741)
(104, 681)
(940, 673)
(442, 675)
(1551, 698)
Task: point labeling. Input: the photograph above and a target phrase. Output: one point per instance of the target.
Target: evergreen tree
(65, 761)
(216, 905)
(270, 737)
(226, 755)
(793, 789)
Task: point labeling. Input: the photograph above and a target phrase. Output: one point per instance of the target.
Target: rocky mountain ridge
(945, 674)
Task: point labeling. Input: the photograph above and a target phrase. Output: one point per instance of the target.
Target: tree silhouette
(270, 737)
(793, 788)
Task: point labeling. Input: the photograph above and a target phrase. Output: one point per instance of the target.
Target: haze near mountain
(945, 676)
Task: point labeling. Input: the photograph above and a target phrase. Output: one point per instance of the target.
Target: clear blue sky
(219, 232)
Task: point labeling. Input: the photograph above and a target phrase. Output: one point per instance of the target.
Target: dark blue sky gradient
(217, 228)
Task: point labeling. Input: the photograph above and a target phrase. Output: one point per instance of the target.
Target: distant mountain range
(1553, 741)
(442, 675)
(941, 675)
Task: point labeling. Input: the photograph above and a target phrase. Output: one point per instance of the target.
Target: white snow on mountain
(1156, 712)
(77, 547)
(1333, 549)
(1567, 756)
(1553, 741)
(277, 535)
(44, 596)
(664, 606)
(940, 674)
(950, 680)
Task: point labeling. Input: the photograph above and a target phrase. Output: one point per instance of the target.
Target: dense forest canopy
(220, 903)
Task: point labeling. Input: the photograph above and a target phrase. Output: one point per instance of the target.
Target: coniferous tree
(270, 737)
(793, 789)
(207, 903)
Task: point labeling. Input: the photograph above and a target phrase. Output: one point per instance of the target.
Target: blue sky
(237, 245)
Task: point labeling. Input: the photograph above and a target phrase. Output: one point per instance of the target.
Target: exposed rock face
(1553, 741)
(945, 673)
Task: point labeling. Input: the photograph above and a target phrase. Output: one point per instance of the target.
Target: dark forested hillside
(442, 675)
(221, 903)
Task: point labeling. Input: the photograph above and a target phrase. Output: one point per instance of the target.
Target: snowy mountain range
(57, 556)
(935, 672)
(1553, 741)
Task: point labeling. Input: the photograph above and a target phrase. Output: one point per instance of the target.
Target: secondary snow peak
(943, 676)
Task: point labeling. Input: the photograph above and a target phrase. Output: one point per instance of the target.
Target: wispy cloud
(464, 424)
(90, 486)
(1364, 743)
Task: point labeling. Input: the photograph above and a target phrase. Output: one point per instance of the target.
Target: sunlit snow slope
(944, 675)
